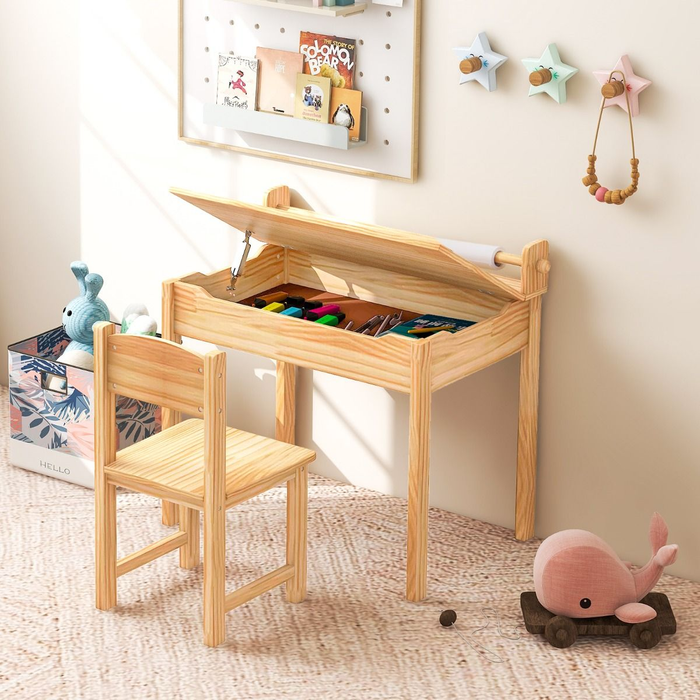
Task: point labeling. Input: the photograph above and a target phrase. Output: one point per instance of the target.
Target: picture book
(346, 110)
(313, 96)
(330, 57)
(237, 82)
(428, 322)
(277, 75)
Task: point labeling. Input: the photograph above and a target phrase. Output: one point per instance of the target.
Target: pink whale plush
(579, 575)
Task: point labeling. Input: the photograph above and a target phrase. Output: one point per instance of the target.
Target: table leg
(285, 403)
(527, 427)
(418, 473)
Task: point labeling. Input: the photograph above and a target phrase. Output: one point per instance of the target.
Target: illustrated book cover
(330, 57)
(428, 321)
(237, 82)
(345, 110)
(277, 76)
(313, 95)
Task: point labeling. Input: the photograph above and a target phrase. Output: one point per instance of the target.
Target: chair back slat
(157, 371)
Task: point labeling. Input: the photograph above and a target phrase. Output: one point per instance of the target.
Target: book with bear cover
(313, 97)
(345, 110)
(237, 82)
(330, 57)
(277, 75)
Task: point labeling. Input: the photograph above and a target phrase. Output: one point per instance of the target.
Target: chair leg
(169, 512)
(214, 576)
(105, 544)
(189, 523)
(297, 498)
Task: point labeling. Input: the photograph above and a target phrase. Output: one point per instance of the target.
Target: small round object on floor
(448, 618)
(645, 635)
(561, 632)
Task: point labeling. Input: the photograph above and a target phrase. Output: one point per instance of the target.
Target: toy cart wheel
(645, 635)
(561, 632)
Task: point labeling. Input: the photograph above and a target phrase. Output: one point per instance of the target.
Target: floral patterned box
(51, 418)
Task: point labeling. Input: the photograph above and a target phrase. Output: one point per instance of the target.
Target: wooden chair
(199, 464)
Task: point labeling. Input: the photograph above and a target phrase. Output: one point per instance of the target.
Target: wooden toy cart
(562, 632)
(370, 270)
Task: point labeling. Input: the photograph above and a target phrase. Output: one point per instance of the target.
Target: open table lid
(363, 244)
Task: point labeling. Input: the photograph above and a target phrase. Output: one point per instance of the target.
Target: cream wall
(619, 431)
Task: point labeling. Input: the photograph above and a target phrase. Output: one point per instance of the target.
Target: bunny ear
(93, 284)
(80, 270)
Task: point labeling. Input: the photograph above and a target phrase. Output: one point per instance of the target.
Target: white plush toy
(136, 321)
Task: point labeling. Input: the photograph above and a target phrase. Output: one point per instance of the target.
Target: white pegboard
(210, 27)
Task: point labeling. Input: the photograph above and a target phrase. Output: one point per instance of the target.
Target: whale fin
(666, 555)
(635, 612)
(658, 533)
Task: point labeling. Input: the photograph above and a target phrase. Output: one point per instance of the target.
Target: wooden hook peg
(543, 266)
(614, 88)
(470, 65)
(540, 77)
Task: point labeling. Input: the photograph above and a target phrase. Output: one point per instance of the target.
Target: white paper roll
(477, 253)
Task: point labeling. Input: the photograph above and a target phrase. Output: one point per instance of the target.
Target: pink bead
(600, 194)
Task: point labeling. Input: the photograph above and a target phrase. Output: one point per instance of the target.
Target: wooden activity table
(371, 267)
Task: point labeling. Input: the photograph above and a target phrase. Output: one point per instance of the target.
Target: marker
(433, 329)
(265, 300)
(309, 305)
(322, 311)
(297, 302)
(331, 319)
(275, 307)
(292, 311)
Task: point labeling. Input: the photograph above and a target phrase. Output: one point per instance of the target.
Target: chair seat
(170, 464)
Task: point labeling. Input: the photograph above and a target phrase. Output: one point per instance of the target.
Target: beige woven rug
(354, 636)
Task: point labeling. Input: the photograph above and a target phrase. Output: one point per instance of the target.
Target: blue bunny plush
(80, 315)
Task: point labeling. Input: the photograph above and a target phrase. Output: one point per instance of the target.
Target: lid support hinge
(237, 272)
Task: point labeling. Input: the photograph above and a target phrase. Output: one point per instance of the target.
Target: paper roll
(477, 253)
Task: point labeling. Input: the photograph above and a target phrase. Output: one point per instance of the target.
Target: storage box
(51, 418)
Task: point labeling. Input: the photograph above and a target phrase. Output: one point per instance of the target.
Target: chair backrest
(160, 372)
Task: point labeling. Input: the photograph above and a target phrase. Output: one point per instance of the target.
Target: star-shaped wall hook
(549, 74)
(479, 62)
(634, 85)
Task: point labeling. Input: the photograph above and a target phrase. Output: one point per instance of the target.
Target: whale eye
(64, 309)
(70, 313)
(585, 603)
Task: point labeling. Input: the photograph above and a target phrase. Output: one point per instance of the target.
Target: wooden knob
(470, 65)
(540, 77)
(543, 266)
(614, 88)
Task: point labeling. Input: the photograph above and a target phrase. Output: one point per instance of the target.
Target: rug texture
(355, 637)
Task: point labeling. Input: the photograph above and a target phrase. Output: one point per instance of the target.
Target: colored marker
(322, 311)
(275, 307)
(309, 305)
(292, 311)
(331, 319)
(265, 300)
(297, 302)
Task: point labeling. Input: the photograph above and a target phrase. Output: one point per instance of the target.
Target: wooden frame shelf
(289, 128)
(305, 6)
(381, 266)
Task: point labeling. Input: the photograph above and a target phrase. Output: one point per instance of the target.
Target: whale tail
(662, 555)
(658, 533)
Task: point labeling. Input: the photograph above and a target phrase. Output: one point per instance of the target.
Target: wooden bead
(615, 197)
(594, 187)
(592, 159)
(634, 161)
(591, 170)
(608, 197)
(589, 180)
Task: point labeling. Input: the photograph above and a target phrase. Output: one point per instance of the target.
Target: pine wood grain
(297, 500)
(418, 471)
(105, 493)
(527, 426)
(151, 552)
(258, 587)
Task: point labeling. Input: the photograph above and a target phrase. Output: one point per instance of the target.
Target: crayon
(275, 307)
(292, 311)
(266, 299)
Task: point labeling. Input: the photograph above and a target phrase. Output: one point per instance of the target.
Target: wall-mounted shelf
(280, 127)
(306, 6)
